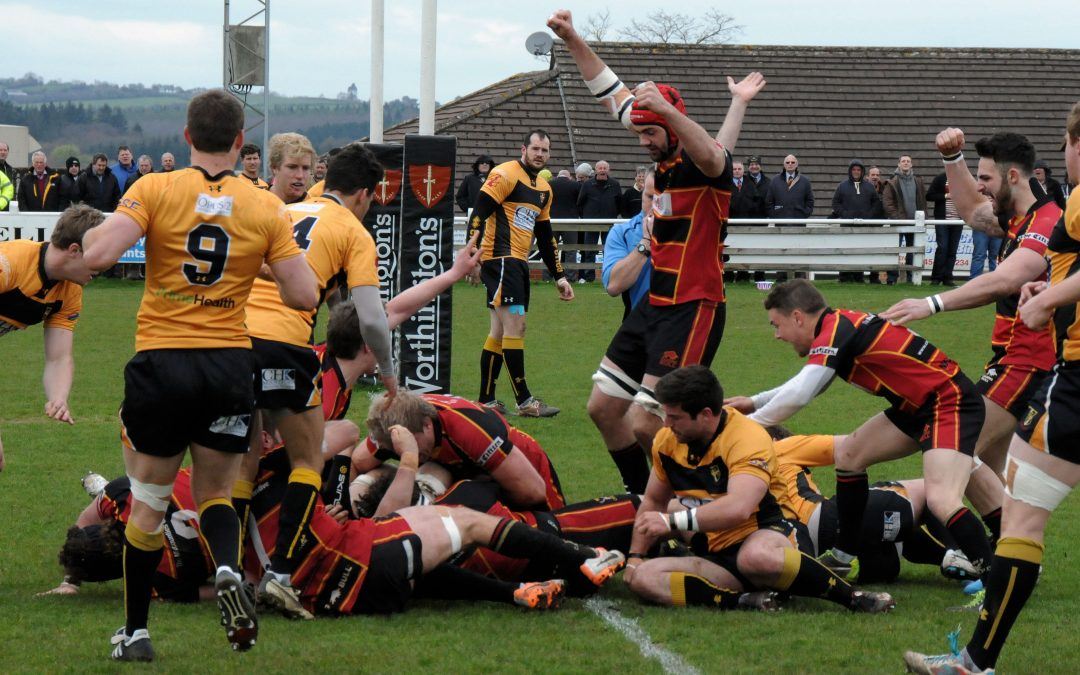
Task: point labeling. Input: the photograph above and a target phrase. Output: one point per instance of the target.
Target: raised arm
(601, 81)
(103, 245)
(412, 299)
(972, 206)
(742, 92)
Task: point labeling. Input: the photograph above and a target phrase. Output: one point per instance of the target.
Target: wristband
(953, 159)
(633, 554)
(684, 520)
(936, 305)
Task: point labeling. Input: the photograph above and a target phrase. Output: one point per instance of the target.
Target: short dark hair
(73, 224)
(214, 119)
(93, 553)
(122, 148)
(343, 337)
(354, 168)
(692, 388)
(250, 149)
(100, 155)
(795, 294)
(537, 132)
(778, 432)
(1008, 148)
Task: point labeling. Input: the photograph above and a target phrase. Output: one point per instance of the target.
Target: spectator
(168, 162)
(125, 166)
(599, 198)
(319, 172)
(760, 184)
(146, 165)
(628, 252)
(39, 189)
(470, 186)
(1042, 184)
(7, 191)
(250, 163)
(99, 187)
(564, 196)
(6, 168)
(901, 197)
(790, 194)
(69, 184)
(854, 198)
(583, 172)
(946, 236)
(874, 174)
(630, 205)
(747, 201)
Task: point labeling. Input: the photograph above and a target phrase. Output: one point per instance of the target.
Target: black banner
(383, 219)
(427, 249)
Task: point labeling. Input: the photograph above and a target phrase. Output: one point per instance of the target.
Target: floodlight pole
(229, 78)
(375, 105)
(427, 67)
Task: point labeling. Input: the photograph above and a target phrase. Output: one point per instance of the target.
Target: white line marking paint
(608, 611)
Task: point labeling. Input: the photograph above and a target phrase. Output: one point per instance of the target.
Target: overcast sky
(317, 47)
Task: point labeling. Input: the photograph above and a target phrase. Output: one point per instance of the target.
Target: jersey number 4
(209, 245)
(302, 231)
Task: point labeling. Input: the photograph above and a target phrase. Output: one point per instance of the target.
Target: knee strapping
(647, 400)
(615, 383)
(155, 496)
(1029, 484)
(452, 529)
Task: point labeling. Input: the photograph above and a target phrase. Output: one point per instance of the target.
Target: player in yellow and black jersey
(721, 468)
(42, 283)
(250, 163)
(341, 252)
(189, 384)
(291, 156)
(514, 206)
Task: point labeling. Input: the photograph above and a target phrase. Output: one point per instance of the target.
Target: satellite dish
(539, 43)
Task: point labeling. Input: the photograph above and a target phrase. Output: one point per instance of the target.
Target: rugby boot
(540, 594)
(872, 602)
(534, 407)
(761, 601)
(279, 596)
(134, 648)
(237, 610)
(605, 565)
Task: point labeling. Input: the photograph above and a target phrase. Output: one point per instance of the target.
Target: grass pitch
(40, 497)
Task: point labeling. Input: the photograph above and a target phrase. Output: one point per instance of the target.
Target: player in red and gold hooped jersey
(1021, 357)
(189, 383)
(934, 408)
(683, 321)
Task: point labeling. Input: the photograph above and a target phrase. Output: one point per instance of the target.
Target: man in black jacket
(790, 194)
(39, 189)
(564, 196)
(99, 186)
(69, 184)
(854, 198)
(1043, 184)
(470, 186)
(599, 198)
(947, 237)
(146, 165)
(6, 168)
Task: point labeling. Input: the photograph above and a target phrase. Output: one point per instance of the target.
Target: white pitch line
(671, 663)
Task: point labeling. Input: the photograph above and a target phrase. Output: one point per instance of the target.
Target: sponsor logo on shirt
(823, 351)
(277, 379)
(490, 450)
(214, 206)
(233, 425)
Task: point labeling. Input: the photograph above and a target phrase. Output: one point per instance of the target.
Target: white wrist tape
(604, 87)
(685, 521)
(604, 84)
(936, 305)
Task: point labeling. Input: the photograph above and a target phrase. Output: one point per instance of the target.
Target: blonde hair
(1072, 123)
(405, 408)
(289, 144)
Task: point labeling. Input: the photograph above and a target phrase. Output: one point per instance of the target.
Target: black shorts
(394, 566)
(1011, 387)
(656, 340)
(888, 516)
(1051, 422)
(286, 376)
(951, 418)
(728, 557)
(175, 397)
(506, 281)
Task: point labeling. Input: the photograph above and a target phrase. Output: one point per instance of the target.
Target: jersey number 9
(209, 245)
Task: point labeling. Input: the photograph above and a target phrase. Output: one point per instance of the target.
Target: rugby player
(934, 408)
(1021, 357)
(683, 321)
(722, 468)
(251, 164)
(468, 438)
(41, 282)
(291, 157)
(189, 384)
(1043, 465)
(341, 253)
(514, 206)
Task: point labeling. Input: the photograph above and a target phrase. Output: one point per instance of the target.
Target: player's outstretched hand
(338, 513)
(1033, 311)
(647, 96)
(746, 88)
(467, 259)
(950, 141)
(391, 384)
(906, 311)
(566, 291)
(65, 588)
(743, 404)
(58, 410)
(405, 446)
(562, 24)
(1031, 289)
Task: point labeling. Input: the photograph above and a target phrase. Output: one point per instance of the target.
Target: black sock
(336, 487)
(970, 536)
(517, 540)
(690, 589)
(297, 507)
(992, 521)
(805, 576)
(241, 501)
(1013, 574)
(633, 467)
(220, 529)
(852, 493)
(514, 356)
(491, 361)
(923, 548)
(142, 553)
(447, 582)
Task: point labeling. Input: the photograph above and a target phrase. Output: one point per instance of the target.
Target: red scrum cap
(640, 116)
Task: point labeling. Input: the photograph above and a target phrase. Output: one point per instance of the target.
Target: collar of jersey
(46, 282)
(218, 177)
(333, 198)
(821, 320)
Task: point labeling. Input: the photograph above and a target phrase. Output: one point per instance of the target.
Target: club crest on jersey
(1029, 418)
(214, 206)
(670, 359)
(429, 182)
(387, 189)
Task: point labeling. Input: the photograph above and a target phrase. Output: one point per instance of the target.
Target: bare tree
(597, 26)
(714, 27)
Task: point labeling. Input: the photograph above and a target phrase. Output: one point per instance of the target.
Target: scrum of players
(300, 512)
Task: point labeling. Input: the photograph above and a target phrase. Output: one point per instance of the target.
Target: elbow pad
(605, 88)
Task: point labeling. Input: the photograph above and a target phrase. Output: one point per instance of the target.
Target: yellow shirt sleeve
(360, 265)
(498, 185)
(750, 451)
(7, 275)
(71, 307)
(1072, 215)
(140, 200)
(664, 440)
(813, 450)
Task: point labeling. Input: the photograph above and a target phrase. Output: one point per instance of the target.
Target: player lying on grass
(934, 408)
(896, 514)
(722, 468)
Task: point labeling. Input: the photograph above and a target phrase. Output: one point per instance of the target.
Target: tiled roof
(826, 105)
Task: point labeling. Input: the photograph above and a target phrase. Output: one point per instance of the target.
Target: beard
(1003, 200)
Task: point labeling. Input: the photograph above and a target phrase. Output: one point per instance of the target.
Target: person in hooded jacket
(470, 186)
(855, 197)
